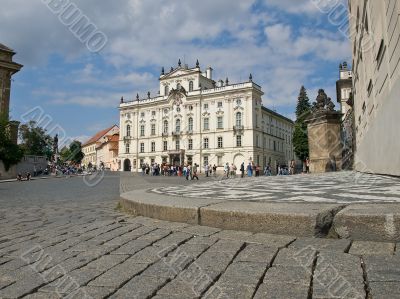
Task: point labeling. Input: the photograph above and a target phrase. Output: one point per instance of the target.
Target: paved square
(61, 238)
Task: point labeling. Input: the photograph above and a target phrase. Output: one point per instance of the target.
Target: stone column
(324, 136)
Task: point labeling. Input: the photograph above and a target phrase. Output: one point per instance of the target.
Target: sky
(76, 88)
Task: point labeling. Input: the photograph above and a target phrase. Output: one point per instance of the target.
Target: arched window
(128, 130)
(127, 146)
(178, 126)
(191, 86)
(178, 86)
(190, 124)
(239, 119)
(165, 127)
(166, 90)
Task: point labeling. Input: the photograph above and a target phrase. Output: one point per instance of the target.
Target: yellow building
(89, 148)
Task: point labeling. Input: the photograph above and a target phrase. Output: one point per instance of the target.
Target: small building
(344, 88)
(89, 148)
(107, 152)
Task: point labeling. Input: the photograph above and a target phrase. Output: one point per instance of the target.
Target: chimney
(209, 72)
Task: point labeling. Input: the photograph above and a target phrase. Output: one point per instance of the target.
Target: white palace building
(195, 119)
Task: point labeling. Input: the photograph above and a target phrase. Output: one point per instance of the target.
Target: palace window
(178, 86)
(153, 113)
(142, 114)
(219, 105)
(190, 108)
(206, 124)
(165, 146)
(153, 129)
(142, 147)
(128, 130)
(220, 142)
(239, 119)
(177, 145)
(142, 130)
(191, 86)
(190, 144)
(220, 122)
(205, 106)
(127, 148)
(190, 124)
(165, 127)
(178, 126)
(153, 146)
(205, 160)
(166, 90)
(205, 143)
(239, 141)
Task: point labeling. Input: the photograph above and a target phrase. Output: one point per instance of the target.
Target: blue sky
(283, 43)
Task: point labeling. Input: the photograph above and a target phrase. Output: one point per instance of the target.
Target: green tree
(76, 154)
(300, 137)
(10, 153)
(64, 154)
(35, 140)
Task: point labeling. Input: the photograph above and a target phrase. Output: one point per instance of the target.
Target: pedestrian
(233, 170)
(188, 170)
(206, 169)
(307, 165)
(242, 170)
(226, 169)
(184, 170)
(249, 170)
(292, 167)
(195, 172)
(214, 170)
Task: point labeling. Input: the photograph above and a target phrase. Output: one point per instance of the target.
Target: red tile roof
(96, 137)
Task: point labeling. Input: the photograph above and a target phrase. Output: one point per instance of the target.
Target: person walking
(242, 170)
(249, 170)
(226, 169)
(188, 170)
(206, 169)
(195, 172)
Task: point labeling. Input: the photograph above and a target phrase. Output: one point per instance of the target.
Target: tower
(7, 68)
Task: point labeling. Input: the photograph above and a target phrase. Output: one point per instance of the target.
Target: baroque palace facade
(197, 120)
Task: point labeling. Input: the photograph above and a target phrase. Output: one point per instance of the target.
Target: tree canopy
(10, 153)
(35, 140)
(300, 136)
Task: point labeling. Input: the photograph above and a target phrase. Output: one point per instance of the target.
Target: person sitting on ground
(19, 177)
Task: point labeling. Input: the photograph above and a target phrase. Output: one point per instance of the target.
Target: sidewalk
(329, 205)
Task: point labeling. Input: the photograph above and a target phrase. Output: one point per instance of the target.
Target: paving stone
(230, 291)
(226, 246)
(202, 240)
(384, 290)
(173, 240)
(321, 244)
(295, 257)
(232, 235)
(182, 289)
(142, 287)
(382, 268)
(282, 290)
(244, 273)
(294, 275)
(132, 247)
(168, 267)
(118, 275)
(192, 250)
(203, 231)
(41, 295)
(257, 253)
(372, 248)
(106, 262)
(271, 240)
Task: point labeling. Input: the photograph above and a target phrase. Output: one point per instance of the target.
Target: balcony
(165, 134)
(189, 132)
(238, 130)
(176, 134)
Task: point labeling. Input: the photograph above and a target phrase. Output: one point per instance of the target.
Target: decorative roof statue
(251, 78)
(226, 81)
(162, 71)
(148, 95)
(122, 100)
(197, 63)
(179, 63)
(171, 70)
(137, 97)
(55, 144)
(323, 103)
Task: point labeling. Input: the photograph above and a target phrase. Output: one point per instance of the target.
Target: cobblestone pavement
(81, 247)
(341, 187)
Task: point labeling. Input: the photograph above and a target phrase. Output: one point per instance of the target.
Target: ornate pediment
(238, 108)
(179, 72)
(206, 114)
(142, 121)
(220, 112)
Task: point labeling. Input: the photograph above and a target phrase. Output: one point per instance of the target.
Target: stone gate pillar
(324, 136)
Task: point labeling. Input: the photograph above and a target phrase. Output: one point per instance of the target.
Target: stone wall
(10, 174)
(27, 164)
